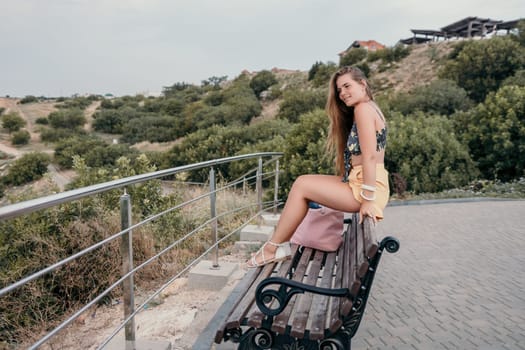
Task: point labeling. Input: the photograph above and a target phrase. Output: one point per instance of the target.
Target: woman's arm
(365, 117)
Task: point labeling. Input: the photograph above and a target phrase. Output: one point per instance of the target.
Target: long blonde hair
(341, 116)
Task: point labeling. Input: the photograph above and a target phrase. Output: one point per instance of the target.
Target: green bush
(262, 81)
(13, 122)
(29, 99)
(150, 128)
(172, 106)
(235, 104)
(2, 110)
(389, 54)
(517, 79)
(353, 56)
(320, 73)
(20, 137)
(67, 119)
(111, 121)
(187, 93)
(305, 152)
(77, 102)
(30, 167)
(219, 142)
(296, 102)
(520, 35)
(495, 133)
(38, 240)
(95, 152)
(42, 121)
(482, 65)
(425, 152)
(55, 135)
(439, 97)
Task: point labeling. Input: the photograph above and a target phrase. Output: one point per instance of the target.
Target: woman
(357, 136)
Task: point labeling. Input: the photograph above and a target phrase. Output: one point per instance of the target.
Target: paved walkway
(457, 282)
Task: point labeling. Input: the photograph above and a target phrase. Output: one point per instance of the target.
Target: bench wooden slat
(255, 316)
(362, 261)
(281, 321)
(335, 302)
(370, 238)
(303, 308)
(320, 306)
(244, 284)
(350, 267)
(236, 317)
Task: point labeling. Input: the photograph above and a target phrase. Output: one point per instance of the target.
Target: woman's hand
(367, 209)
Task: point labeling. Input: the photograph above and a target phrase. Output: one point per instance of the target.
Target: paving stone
(456, 283)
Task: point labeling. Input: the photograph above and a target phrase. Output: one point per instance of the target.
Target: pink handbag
(321, 228)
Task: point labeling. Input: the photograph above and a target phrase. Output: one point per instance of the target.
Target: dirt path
(88, 113)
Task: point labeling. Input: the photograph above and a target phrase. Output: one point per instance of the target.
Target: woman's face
(350, 91)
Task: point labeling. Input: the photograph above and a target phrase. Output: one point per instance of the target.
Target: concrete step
(270, 219)
(206, 276)
(139, 344)
(256, 233)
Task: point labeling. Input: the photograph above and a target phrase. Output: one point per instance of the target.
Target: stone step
(206, 276)
(270, 219)
(256, 233)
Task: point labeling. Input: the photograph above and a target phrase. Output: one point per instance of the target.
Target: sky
(124, 47)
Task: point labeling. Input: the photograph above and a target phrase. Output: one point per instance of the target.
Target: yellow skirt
(355, 180)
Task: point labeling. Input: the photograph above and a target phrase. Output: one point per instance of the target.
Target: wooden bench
(315, 300)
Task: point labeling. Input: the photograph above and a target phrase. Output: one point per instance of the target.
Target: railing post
(276, 188)
(213, 215)
(126, 249)
(259, 192)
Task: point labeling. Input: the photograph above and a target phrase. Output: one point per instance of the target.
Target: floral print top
(353, 147)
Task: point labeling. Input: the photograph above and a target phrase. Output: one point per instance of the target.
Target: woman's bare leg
(326, 190)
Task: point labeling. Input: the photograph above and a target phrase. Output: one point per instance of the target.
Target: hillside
(419, 67)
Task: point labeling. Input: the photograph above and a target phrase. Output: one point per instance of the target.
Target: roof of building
(427, 32)
(371, 45)
(476, 25)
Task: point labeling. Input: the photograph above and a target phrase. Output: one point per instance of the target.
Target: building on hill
(468, 27)
(369, 45)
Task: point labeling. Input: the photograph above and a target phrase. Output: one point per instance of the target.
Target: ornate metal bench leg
(256, 339)
(339, 341)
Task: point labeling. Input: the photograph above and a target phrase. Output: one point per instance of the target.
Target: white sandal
(282, 252)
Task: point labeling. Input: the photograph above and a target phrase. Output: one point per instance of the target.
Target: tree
(13, 122)
(262, 81)
(305, 152)
(215, 82)
(29, 99)
(442, 97)
(296, 102)
(353, 56)
(67, 119)
(517, 79)
(495, 133)
(481, 66)
(321, 73)
(426, 152)
(520, 35)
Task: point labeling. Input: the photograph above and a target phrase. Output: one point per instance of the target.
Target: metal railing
(127, 227)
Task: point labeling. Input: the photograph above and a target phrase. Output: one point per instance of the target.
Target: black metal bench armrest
(287, 289)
